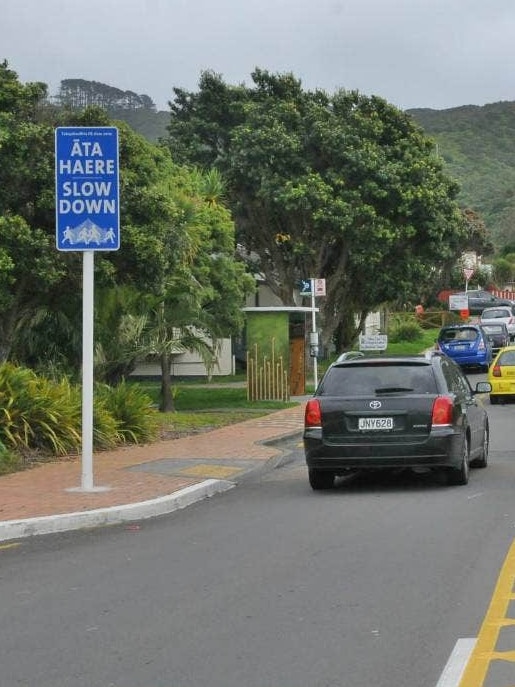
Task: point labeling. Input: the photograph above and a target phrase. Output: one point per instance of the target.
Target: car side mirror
(483, 388)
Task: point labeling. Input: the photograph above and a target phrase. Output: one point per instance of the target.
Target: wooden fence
(267, 376)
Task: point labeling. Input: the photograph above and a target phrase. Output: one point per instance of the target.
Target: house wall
(191, 365)
(263, 297)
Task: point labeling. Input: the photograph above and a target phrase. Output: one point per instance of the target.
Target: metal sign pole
(314, 334)
(88, 276)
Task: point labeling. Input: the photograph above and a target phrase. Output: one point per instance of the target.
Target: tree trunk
(166, 398)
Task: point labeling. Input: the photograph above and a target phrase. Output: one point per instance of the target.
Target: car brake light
(496, 371)
(313, 413)
(481, 345)
(442, 411)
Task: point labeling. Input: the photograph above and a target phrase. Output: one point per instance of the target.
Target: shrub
(37, 414)
(407, 330)
(42, 417)
(133, 411)
(9, 461)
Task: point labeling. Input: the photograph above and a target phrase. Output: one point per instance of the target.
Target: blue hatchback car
(467, 344)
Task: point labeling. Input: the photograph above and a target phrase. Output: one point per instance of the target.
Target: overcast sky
(413, 53)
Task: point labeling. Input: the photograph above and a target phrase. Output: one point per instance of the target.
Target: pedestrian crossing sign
(87, 189)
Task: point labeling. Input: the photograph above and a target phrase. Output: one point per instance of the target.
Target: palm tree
(174, 326)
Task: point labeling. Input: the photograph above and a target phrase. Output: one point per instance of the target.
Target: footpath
(143, 481)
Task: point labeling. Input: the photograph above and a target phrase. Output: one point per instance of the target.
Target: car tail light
(442, 411)
(313, 414)
(496, 371)
(481, 345)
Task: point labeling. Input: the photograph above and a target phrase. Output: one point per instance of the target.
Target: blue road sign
(305, 287)
(87, 188)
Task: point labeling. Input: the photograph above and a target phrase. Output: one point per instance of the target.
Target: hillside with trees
(137, 110)
(478, 146)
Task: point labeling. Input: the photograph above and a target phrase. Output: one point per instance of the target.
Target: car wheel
(460, 476)
(482, 461)
(320, 479)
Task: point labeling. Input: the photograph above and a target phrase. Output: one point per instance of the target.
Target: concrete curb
(17, 529)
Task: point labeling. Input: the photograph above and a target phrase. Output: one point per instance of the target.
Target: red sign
(468, 273)
(319, 287)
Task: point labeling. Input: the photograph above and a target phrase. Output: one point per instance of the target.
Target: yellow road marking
(484, 650)
(206, 470)
(9, 546)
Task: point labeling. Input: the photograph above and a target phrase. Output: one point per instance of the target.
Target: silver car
(501, 313)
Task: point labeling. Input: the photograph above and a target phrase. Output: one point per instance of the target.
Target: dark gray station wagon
(378, 412)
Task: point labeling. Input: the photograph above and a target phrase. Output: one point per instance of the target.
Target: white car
(501, 313)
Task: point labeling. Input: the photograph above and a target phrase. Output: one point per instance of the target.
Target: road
(267, 585)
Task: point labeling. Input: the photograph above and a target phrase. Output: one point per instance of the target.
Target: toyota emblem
(375, 405)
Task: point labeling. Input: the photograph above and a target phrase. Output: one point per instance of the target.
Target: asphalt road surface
(268, 585)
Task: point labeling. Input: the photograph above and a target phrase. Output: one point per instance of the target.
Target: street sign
(87, 189)
(458, 302)
(305, 287)
(319, 287)
(373, 342)
(468, 272)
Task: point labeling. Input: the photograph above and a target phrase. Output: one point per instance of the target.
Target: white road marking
(455, 667)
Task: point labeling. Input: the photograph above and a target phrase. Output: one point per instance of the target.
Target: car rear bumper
(438, 449)
(502, 387)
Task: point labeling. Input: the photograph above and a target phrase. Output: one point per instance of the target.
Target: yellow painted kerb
(210, 470)
(484, 650)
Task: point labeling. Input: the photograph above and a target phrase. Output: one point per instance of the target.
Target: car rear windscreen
(506, 358)
(359, 380)
(463, 334)
(494, 314)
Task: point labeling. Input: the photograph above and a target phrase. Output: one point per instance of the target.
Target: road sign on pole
(87, 220)
(305, 287)
(87, 188)
(319, 285)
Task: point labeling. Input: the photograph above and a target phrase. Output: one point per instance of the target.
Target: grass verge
(200, 408)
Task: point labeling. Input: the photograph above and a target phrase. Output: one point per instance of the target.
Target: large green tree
(343, 187)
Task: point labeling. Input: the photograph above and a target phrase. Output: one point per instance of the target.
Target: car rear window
(494, 314)
(358, 380)
(463, 334)
(506, 358)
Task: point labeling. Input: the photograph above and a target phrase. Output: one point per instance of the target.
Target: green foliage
(345, 187)
(42, 416)
(504, 270)
(406, 330)
(10, 461)
(178, 236)
(133, 410)
(191, 397)
(38, 414)
(420, 345)
(478, 147)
